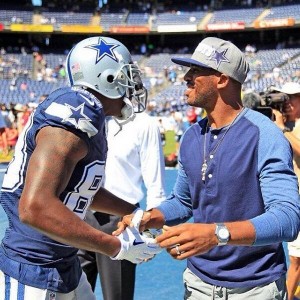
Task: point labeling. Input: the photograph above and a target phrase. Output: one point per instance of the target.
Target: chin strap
(122, 123)
(127, 114)
(127, 111)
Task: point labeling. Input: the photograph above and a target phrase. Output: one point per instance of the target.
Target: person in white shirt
(134, 167)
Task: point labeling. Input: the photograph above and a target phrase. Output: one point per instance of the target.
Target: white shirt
(134, 159)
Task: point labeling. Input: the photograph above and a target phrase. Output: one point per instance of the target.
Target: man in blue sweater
(236, 180)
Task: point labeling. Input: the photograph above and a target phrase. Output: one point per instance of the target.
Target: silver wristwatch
(222, 233)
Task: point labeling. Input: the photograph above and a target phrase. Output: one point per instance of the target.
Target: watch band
(222, 234)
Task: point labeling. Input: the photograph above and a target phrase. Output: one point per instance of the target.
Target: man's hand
(149, 219)
(279, 118)
(135, 247)
(186, 240)
(137, 219)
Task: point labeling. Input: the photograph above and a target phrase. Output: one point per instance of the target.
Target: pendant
(203, 170)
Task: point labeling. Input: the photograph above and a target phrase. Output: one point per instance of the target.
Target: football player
(56, 175)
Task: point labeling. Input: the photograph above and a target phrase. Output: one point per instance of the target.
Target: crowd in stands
(28, 72)
(26, 75)
(151, 14)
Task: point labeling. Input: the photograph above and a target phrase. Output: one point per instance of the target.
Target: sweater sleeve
(279, 187)
(177, 208)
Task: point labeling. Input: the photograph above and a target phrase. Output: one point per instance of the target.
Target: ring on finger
(177, 249)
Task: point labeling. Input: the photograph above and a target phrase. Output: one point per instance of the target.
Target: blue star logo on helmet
(219, 57)
(104, 49)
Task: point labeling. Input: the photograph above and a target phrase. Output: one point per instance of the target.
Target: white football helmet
(105, 65)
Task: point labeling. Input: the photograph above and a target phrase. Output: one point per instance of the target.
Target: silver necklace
(214, 150)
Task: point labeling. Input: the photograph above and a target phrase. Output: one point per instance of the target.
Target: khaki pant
(196, 289)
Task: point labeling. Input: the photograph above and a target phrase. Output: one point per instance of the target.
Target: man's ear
(223, 81)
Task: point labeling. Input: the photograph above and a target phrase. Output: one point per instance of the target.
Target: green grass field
(6, 158)
(170, 146)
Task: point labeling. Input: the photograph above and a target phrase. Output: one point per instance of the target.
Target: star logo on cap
(104, 49)
(219, 57)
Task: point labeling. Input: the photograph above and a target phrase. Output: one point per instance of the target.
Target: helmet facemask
(131, 81)
(135, 93)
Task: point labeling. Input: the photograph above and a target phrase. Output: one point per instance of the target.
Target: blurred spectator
(191, 116)
(62, 72)
(143, 49)
(6, 115)
(289, 123)
(12, 137)
(3, 135)
(162, 131)
(171, 160)
(23, 86)
(251, 99)
(250, 49)
(43, 97)
(179, 128)
(172, 75)
(23, 113)
(13, 84)
(11, 116)
(276, 72)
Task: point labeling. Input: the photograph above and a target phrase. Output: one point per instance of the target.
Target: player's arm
(50, 168)
(107, 202)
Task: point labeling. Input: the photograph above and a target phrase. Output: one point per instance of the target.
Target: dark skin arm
(50, 167)
(107, 202)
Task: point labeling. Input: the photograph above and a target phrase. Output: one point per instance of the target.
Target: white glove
(135, 247)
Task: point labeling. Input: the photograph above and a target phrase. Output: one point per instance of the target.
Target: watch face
(223, 233)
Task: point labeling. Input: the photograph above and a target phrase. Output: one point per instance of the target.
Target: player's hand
(135, 247)
(186, 240)
(141, 218)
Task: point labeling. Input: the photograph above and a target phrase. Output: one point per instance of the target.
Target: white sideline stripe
(13, 289)
(2, 170)
(2, 286)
